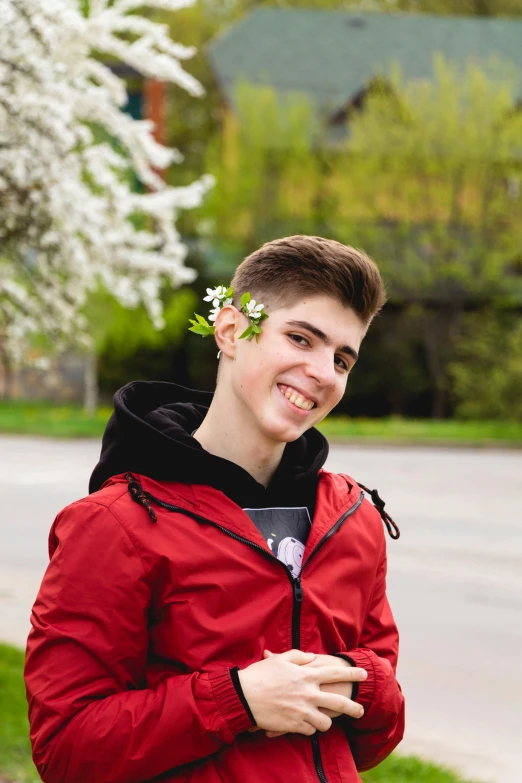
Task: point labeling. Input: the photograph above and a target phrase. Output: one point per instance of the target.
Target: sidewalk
(18, 591)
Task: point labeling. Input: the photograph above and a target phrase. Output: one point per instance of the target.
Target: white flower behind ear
(212, 295)
(254, 310)
(223, 297)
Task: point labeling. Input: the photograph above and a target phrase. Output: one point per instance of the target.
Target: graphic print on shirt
(286, 531)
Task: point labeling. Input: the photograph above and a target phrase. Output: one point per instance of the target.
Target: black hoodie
(150, 433)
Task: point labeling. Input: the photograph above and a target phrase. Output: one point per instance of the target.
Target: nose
(321, 368)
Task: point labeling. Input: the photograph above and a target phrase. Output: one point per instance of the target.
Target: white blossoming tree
(70, 218)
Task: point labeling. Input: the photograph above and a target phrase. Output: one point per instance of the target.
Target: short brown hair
(285, 269)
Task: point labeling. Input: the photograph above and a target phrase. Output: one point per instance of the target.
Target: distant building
(333, 57)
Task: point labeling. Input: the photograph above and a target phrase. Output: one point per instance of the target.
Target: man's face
(297, 372)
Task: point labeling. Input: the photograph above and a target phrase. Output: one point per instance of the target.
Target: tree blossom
(254, 310)
(69, 216)
(215, 295)
(214, 313)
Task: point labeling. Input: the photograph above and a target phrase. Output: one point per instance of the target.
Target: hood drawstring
(379, 504)
(139, 496)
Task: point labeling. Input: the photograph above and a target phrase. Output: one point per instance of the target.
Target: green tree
(267, 171)
(118, 333)
(443, 7)
(462, 7)
(191, 125)
(430, 184)
(487, 370)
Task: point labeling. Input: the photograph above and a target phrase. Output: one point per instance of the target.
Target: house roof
(333, 55)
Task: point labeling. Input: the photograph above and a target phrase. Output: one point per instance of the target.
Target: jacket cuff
(355, 685)
(365, 691)
(229, 702)
(234, 673)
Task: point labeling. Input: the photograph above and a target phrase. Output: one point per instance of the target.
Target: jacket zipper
(296, 624)
(296, 588)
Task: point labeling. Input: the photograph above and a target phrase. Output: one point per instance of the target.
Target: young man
(215, 611)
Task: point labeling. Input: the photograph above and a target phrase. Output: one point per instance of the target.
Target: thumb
(298, 657)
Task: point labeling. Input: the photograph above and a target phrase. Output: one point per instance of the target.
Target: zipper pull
(298, 590)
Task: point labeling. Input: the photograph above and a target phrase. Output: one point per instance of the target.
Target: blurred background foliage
(427, 180)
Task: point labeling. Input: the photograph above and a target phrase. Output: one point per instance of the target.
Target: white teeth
(298, 400)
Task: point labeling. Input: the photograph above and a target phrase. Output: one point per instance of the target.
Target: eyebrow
(324, 337)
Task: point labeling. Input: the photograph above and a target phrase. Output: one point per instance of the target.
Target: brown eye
(297, 338)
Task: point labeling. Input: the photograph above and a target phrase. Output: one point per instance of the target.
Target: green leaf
(245, 298)
(248, 334)
(201, 320)
(263, 316)
(229, 293)
(204, 331)
(255, 328)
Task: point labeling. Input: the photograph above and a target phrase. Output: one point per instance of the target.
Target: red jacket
(143, 612)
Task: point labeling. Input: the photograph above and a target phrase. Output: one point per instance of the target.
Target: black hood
(150, 433)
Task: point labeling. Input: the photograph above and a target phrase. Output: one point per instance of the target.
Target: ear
(227, 330)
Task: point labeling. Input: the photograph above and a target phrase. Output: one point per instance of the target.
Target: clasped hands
(300, 692)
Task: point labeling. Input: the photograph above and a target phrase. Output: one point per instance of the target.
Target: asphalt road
(455, 581)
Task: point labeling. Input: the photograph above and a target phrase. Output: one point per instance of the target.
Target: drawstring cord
(139, 496)
(379, 504)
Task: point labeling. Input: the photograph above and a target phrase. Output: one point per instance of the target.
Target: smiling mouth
(296, 398)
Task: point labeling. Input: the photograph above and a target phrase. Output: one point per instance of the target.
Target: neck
(226, 432)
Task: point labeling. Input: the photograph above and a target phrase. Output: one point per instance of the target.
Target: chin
(283, 432)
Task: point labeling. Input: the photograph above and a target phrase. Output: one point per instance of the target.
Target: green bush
(487, 373)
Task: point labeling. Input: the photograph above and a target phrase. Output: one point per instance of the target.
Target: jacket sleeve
(91, 713)
(373, 737)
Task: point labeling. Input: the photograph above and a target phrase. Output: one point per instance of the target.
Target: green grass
(57, 421)
(15, 753)
(423, 431)
(409, 769)
(69, 421)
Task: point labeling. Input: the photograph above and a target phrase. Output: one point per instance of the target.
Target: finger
(340, 705)
(273, 734)
(325, 674)
(353, 710)
(298, 656)
(319, 720)
(268, 654)
(330, 713)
